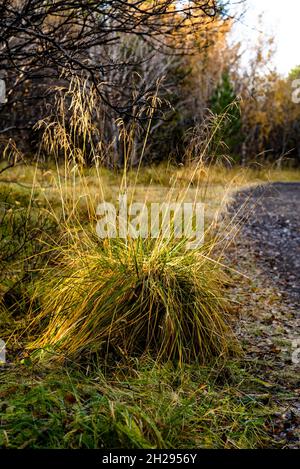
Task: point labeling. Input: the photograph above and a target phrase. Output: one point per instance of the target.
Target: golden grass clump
(134, 298)
(124, 297)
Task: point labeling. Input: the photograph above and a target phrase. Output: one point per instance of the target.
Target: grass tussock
(132, 299)
(125, 297)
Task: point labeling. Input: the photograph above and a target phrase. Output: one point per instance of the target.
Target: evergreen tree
(224, 104)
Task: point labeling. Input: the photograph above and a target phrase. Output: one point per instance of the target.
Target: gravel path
(272, 225)
(267, 250)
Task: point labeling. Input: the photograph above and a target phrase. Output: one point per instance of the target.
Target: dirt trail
(267, 250)
(272, 224)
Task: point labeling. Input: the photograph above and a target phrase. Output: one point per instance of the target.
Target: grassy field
(121, 344)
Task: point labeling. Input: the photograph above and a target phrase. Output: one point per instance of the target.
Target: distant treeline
(114, 82)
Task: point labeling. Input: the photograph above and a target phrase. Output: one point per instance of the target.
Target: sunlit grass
(102, 304)
(142, 406)
(132, 299)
